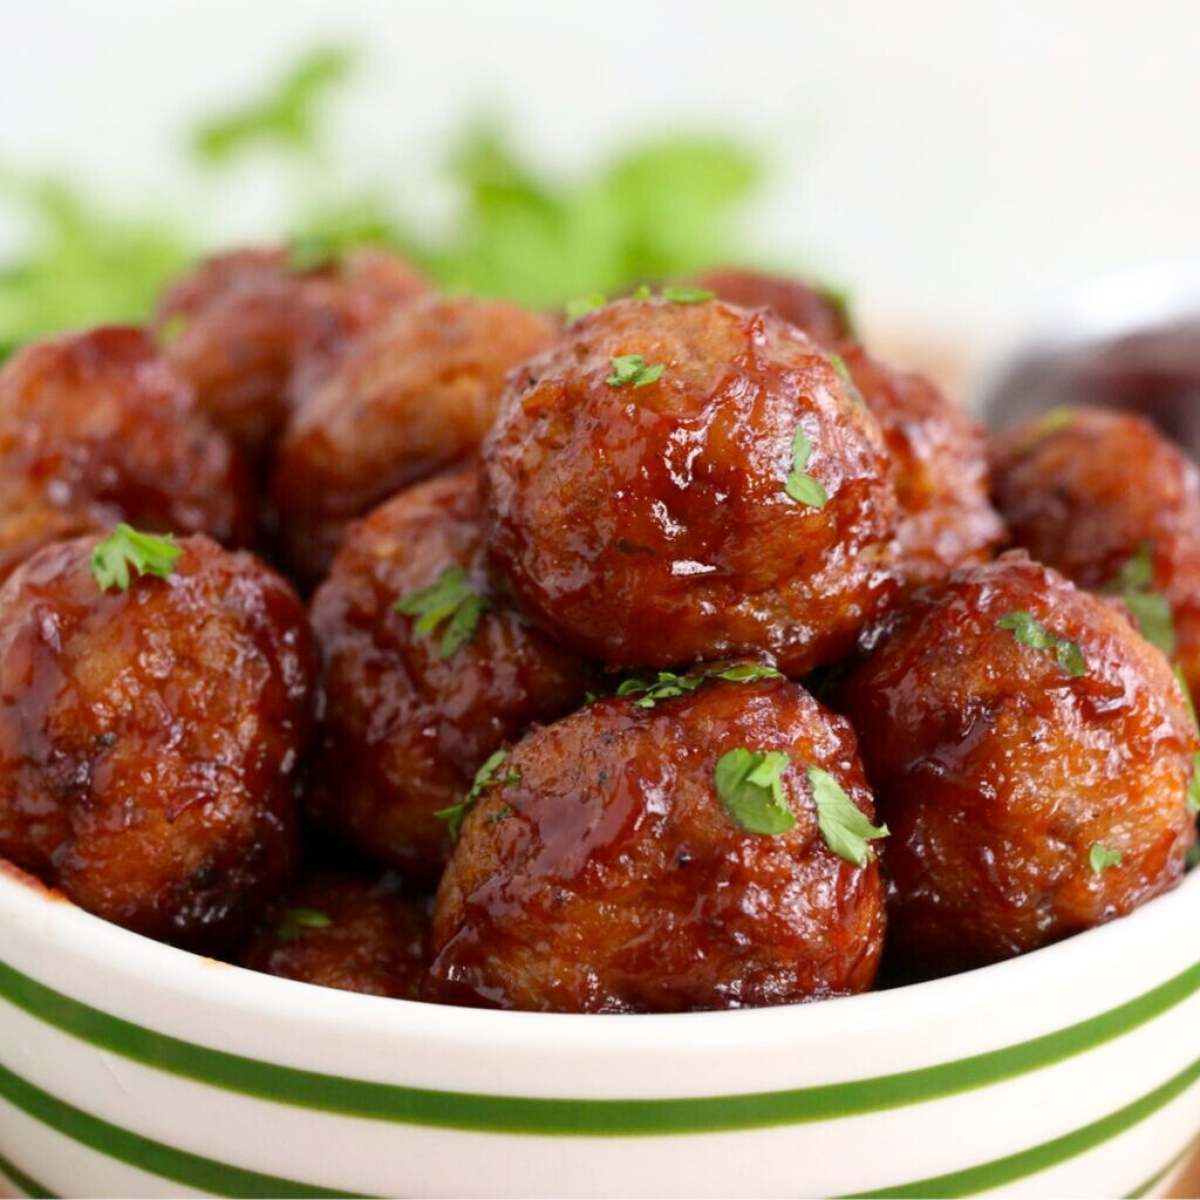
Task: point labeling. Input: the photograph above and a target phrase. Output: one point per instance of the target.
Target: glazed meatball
(677, 482)
(605, 869)
(820, 312)
(95, 428)
(339, 931)
(939, 468)
(412, 398)
(411, 711)
(242, 324)
(149, 738)
(1031, 755)
(1107, 500)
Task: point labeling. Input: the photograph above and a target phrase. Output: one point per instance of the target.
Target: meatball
(939, 467)
(412, 398)
(1031, 755)
(339, 931)
(820, 312)
(411, 710)
(149, 737)
(241, 326)
(95, 428)
(1107, 500)
(676, 482)
(613, 864)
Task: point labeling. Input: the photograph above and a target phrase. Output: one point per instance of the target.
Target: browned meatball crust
(820, 312)
(95, 428)
(602, 873)
(1093, 492)
(336, 930)
(1011, 773)
(149, 738)
(241, 325)
(411, 399)
(939, 467)
(405, 725)
(652, 522)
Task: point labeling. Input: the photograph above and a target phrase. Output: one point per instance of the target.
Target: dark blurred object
(1130, 341)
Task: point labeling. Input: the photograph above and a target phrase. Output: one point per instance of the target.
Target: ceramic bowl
(128, 1068)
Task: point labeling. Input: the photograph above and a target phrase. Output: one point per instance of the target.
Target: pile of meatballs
(673, 653)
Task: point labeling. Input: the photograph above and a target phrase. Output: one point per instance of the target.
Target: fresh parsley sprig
(582, 305)
(1134, 583)
(749, 784)
(294, 921)
(485, 778)
(1032, 633)
(450, 598)
(800, 486)
(126, 547)
(1100, 858)
(667, 684)
(1193, 791)
(632, 369)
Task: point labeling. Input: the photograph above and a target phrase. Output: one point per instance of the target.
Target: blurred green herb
(294, 921)
(286, 116)
(1134, 583)
(1031, 632)
(662, 209)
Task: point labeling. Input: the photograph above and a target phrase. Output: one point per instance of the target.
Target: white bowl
(131, 1069)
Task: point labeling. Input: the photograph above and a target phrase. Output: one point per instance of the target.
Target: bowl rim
(115, 951)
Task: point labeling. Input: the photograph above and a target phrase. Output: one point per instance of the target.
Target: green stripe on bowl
(1001, 1171)
(155, 1158)
(577, 1117)
(25, 1183)
(205, 1174)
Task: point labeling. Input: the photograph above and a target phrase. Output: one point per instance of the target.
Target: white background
(953, 162)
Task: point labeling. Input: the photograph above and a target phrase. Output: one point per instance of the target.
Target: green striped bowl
(130, 1069)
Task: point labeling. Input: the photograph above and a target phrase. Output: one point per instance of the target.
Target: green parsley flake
(632, 369)
(750, 785)
(687, 295)
(1031, 632)
(1101, 858)
(801, 487)
(1051, 421)
(843, 825)
(1193, 791)
(485, 778)
(582, 305)
(450, 598)
(668, 684)
(1150, 608)
(640, 293)
(313, 252)
(125, 547)
(294, 921)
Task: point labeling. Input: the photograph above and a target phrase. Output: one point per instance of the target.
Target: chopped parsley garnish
(1150, 608)
(313, 252)
(485, 778)
(583, 305)
(450, 598)
(801, 487)
(1193, 791)
(667, 684)
(839, 365)
(294, 921)
(125, 547)
(687, 295)
(1051, 421)
(1031, 632)
(632, 369)
(1100, 858)
(750, 785)
(642, 292)
(845, 828)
